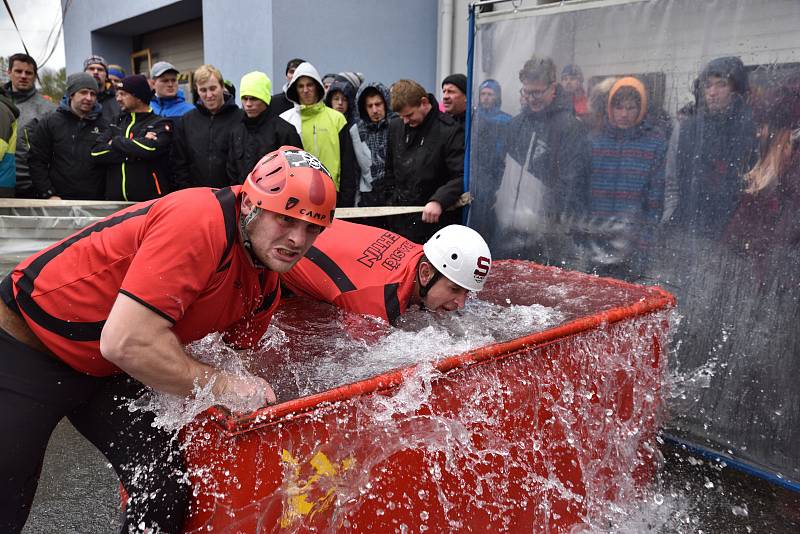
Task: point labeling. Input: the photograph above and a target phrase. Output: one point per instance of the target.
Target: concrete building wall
(238, 37)
(386, 40)
(85, 17)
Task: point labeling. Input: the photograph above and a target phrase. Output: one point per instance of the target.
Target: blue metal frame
(708, 454)
(468, 123)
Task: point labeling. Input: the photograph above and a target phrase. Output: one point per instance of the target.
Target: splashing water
(561, 434)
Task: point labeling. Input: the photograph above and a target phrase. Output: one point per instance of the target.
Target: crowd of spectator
(597, 172)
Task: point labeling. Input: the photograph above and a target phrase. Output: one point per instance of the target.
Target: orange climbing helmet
(295, 183)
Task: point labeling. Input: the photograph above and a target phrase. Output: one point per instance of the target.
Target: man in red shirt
(372, 271)
(89, 322)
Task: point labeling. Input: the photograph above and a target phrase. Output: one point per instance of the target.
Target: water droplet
(658, 499)
(740, 511)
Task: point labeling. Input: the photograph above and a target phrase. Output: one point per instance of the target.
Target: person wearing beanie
(115, 74)
(98, 67)
(716, 147)
(454, 97)
(31, 105)
(490, 131)
(259, 132)
(327, 80)
(202, 136)
(61, 145)
(572, 83)
(280, 102)
(168, 99)
(324, 131)
(626, 183)
(135, 149)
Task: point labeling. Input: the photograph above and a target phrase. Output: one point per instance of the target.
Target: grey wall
(85, 17)
(237, 37)
(386, 40)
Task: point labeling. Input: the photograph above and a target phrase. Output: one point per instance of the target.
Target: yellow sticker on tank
(310, 488)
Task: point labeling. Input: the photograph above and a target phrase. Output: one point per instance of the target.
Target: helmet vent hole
(273, 171)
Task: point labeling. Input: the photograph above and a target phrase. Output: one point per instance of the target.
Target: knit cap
(257, 85)
(459, 80)
(95, 60)
(78, 81)
(136, 84)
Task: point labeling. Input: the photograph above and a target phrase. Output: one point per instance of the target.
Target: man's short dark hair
(293, 64)
(24, 58)
(538, 69)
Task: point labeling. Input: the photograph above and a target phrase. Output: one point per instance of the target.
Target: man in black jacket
(135, 150)
(424, 162)
(544, 171)
(260, 132)
(60, 154)
(200, 150)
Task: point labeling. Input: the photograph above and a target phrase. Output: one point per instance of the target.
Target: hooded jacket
(488, 145)
(137, 168)
(8, 141)
(715, 150)
(254, 138)
(374, 139)
(560, 157)
(176, 106)
(424, 164)
(349, 92)
(60, 156)
(325, 134)
(31, 106)
(200, 149)
(627, 174)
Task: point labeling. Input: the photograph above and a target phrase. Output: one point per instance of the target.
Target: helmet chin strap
(244, 221)
(423, 289)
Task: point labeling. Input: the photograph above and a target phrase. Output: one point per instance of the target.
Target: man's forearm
(158, 360)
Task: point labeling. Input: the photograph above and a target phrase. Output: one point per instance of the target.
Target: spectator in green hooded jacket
(323, 130)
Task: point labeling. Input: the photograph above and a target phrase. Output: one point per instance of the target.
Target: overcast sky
(35, 19)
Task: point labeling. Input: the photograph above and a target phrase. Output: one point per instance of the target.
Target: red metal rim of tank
(657, 299)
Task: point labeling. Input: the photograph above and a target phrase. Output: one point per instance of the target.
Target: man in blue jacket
(169, 101)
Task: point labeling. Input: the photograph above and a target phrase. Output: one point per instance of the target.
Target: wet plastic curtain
(659, 142)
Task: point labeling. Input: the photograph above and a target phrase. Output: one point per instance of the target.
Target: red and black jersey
(180, 256)
(358, 268)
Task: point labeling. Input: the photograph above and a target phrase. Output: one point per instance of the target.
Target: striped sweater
(627, 174)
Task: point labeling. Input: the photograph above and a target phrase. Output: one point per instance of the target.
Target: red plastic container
(537, 434)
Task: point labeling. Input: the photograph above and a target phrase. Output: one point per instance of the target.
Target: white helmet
(460, 254)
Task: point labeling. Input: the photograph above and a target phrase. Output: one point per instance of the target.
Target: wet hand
(253, 391)
(431, 212)
(150, 135)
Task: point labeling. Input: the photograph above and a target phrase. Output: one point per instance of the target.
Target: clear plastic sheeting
(659, 142)
(25, 230)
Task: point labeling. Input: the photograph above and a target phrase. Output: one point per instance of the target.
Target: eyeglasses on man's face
(536, 93)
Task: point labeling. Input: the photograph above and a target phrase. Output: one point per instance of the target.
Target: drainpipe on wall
(444, 63)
